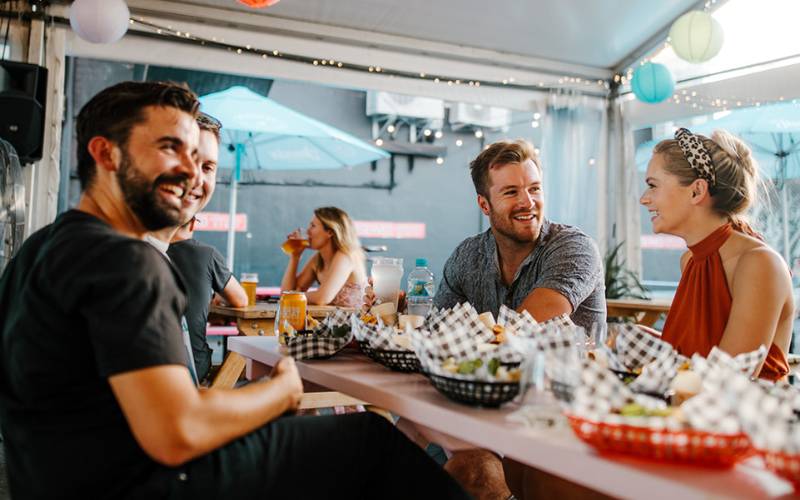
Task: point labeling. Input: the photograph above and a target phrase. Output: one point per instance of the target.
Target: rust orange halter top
(702, 305)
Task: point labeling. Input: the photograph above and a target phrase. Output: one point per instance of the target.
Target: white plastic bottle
(421, 289)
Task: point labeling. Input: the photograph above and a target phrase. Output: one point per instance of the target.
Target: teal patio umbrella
(773, 134)
(260, 134)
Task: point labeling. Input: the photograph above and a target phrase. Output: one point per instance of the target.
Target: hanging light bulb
(99, 21)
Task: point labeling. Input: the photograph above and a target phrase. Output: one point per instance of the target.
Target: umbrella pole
(785, 203)
(232, 207)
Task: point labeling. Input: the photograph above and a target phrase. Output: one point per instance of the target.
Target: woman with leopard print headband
(735, 291)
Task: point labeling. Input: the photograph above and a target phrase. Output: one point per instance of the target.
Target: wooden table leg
(649, 318)
(229, 372)
(234, 364)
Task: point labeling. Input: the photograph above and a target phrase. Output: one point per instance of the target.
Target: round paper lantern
(696, 36)
(652, 82)
(258, 4)
(99, 21)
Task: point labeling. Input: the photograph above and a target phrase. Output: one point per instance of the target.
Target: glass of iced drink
(387, 273)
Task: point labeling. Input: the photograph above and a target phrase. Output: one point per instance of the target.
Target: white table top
(556, 451)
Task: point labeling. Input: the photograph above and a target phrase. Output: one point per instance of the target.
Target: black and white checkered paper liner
(731, 402)
(657, 375)
(635, 347)
(321, 343)
(378, 336)
(519, 324)
(461, 317)
(746, 362)
(601, 392)
(558, 344)
(433, 350)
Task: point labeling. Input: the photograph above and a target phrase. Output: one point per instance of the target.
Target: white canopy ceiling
(586, 32)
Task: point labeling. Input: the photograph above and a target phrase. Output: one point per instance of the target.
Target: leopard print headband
(697, 155)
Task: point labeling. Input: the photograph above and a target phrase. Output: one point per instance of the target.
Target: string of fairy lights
(594, 86)
(591, 86)
(144, 27)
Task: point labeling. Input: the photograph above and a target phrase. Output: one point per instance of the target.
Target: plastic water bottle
(420, 289)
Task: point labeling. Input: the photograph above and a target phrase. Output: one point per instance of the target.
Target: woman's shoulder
(755, 259)
(741, 246)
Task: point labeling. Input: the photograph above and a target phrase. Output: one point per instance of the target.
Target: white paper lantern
(99, 21)
(696, 36)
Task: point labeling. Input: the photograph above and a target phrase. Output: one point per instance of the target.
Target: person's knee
(480, 473)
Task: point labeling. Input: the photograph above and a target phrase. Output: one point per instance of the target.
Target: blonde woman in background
(338, 266)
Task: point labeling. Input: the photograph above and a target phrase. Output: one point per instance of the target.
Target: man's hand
(286, 372)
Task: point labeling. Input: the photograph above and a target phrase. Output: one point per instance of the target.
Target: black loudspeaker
(23, 95)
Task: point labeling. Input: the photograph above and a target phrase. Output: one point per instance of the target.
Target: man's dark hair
(209, 124)
(500, 153)
(114, 111)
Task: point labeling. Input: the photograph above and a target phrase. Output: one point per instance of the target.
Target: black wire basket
(399, 361)
(475, 392)
(367, 350)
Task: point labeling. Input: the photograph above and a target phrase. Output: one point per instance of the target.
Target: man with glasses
(201, 266)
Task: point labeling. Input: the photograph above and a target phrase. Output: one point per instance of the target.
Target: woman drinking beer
(338, 266)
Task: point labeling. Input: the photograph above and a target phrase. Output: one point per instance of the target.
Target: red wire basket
(685, 447)
(783, 464)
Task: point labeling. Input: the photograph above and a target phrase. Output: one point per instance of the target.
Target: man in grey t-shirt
(523, 261)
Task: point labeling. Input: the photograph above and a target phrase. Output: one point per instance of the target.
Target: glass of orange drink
(249, 282)
(294, 244)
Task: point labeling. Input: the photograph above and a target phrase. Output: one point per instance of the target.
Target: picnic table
(554, 451)
(646, 312)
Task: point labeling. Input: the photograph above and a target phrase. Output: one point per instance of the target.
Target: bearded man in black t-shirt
(201, 266)
(95, 397)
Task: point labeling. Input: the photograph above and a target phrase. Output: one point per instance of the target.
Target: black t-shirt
(80, 303)
(204, 272)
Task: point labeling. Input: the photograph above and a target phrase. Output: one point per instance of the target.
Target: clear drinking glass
(249, 282)
(387, 273)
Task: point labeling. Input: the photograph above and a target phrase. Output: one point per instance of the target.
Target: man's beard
(505, 227)
(142, 196)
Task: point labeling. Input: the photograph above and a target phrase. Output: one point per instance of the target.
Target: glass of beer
(387, 272)
(291, 313)
(249, 282)
(295, 242)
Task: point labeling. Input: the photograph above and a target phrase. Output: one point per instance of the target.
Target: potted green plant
(621, 282)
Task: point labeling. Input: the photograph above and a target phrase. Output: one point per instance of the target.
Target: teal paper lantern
(652, 83)
(696, 36)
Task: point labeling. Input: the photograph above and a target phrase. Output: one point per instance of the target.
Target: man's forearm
(224, 415)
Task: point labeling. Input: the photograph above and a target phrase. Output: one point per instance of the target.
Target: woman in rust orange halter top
(735, 291)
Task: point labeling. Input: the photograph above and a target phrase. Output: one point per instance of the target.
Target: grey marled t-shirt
(564, 259)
